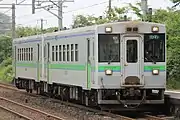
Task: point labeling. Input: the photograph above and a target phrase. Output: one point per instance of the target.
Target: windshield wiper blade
(110, 60)
(150, 58)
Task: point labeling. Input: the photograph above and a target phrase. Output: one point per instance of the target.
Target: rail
(28, 108)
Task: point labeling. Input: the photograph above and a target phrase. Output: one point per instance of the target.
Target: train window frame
(108, 58)
(155, 42)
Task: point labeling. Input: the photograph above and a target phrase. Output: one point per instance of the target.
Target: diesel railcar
(113, 64)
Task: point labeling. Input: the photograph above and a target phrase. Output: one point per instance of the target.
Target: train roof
(86, 29)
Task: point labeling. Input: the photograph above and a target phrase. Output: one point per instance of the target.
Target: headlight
(108, 72)
(108, 29)
(155, 72)
(155, 29)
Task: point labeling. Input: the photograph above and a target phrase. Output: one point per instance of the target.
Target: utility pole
(144, 8)
(109, 8)
(60, 22)
(42, 24)
(57, 3)
(13, 22)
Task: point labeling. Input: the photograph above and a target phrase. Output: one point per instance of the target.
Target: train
(114, 65)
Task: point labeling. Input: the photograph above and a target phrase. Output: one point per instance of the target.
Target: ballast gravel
(47, 105)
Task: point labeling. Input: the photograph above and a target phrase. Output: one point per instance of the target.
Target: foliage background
(170, 17)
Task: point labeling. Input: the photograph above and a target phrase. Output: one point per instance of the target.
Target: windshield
(109, 47)
(154, 47)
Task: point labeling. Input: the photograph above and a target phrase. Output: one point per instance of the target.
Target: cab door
(132, 61)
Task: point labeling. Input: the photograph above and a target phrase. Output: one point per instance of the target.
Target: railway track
(15, 113)
(119, 117)
(24, 111)
(150, 117)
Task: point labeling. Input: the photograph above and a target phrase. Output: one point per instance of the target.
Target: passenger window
(76, 52)
(72, 52)
(22, 54)
(64, 53)
(56, 52)
(60, 58)
(67, 52)
(52, 53)
(131, 51)
(27, 54)
(18, 54)
(31, 54)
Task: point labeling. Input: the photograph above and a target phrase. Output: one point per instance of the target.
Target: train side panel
(26, 61)
(69, 61)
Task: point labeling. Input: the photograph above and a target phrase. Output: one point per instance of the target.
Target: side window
(60, 52)
(22, 54)
(27, 56)
(18, 54)
(56, 52)
(76, 52)
(68, 53)
(52, 53)
(29, 53)
(32, 54)
(64, 53)
(72, 52)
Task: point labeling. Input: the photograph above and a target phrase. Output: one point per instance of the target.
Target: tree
(27, 31)
(87, 20)
(136, 9)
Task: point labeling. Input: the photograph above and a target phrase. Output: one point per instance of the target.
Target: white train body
(112, 63)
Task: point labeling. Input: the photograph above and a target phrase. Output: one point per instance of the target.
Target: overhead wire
(11, 8)
(71, 10)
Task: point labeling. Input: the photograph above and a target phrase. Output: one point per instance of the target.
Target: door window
(131, 51)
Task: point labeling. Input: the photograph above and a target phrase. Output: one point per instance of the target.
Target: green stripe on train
(114, 68)
(160, 67)
(83, 67)
(66, 66)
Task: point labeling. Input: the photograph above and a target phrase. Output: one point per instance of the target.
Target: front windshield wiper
(150, 58)
(110, 60)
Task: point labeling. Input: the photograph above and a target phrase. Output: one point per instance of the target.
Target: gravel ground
(69, 113)
(4, 115)
(25, 111)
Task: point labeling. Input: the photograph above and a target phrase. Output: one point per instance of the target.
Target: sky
(24, 16)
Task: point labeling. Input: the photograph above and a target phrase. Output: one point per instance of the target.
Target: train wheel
(30, 90)
(27, 90)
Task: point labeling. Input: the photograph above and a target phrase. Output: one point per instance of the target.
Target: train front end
(131, 64)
